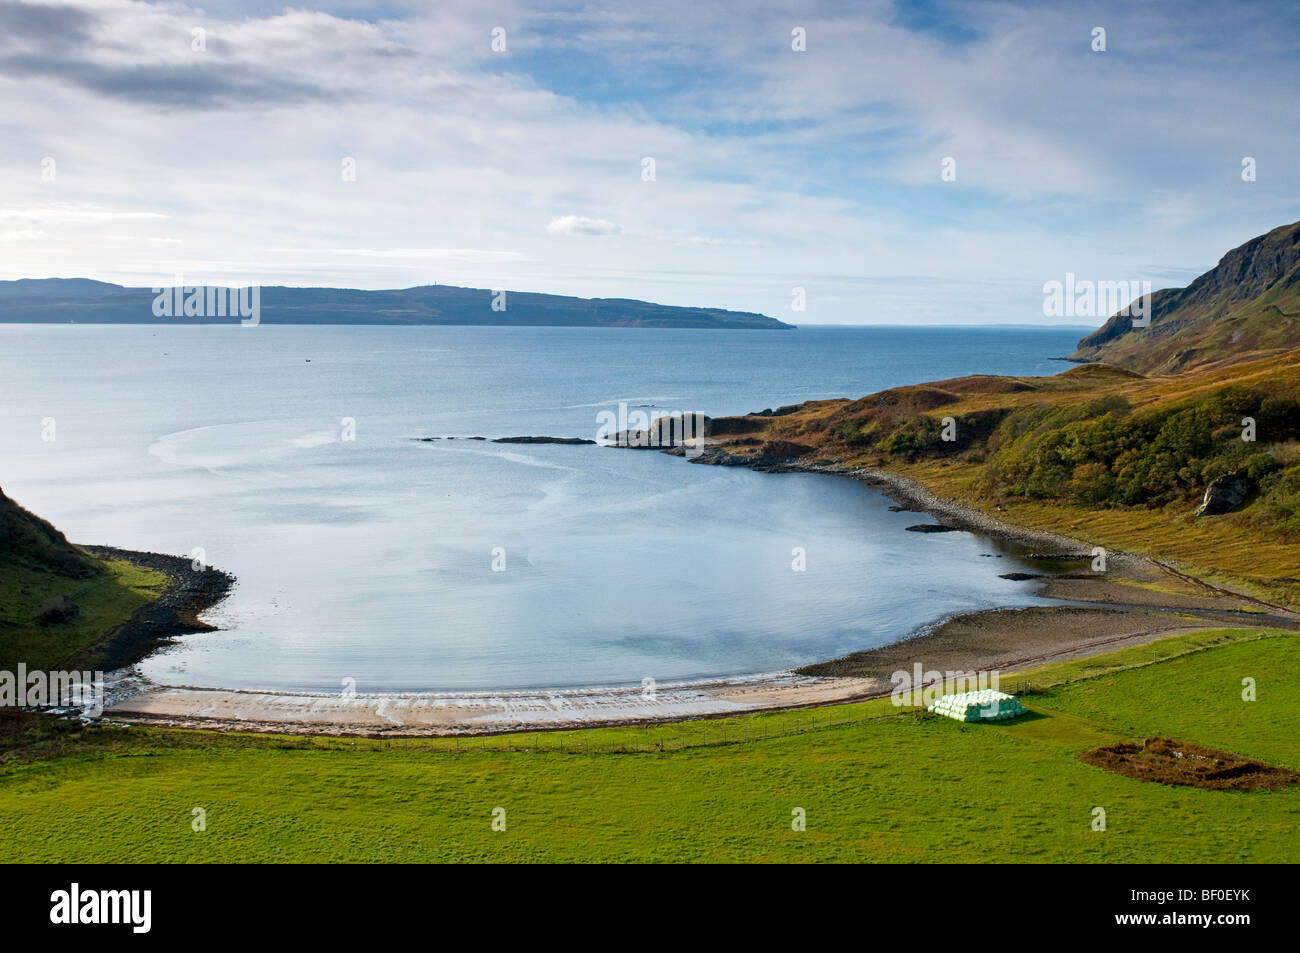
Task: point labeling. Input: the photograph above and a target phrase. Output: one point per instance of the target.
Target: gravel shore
(189, 593)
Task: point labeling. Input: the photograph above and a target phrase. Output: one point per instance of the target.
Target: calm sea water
(372, 559)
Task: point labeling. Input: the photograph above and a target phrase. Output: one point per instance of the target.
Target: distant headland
(83, 300)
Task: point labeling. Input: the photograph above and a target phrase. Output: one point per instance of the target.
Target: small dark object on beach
(1019, 576)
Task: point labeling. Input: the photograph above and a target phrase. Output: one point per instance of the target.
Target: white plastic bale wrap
(984, 705)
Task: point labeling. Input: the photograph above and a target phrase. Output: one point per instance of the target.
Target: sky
(681, 152)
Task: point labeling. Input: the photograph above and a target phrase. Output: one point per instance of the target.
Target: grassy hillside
(37, 563)
(876, 783)
(27, 541)
(1246, 306)
(1099, 452)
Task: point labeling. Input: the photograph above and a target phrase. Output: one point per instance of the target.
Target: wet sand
(473, 713)
(1000, 640)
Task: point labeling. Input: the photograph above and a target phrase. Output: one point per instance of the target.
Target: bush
(1101, 454)
(1092, 483)
(1279, 502)
(913, 437)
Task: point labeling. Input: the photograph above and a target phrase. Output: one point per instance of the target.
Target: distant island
(82, 300)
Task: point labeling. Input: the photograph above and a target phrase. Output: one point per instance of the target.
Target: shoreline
(471, 714)
(1109, 610)
(916, 496)
(189, 593)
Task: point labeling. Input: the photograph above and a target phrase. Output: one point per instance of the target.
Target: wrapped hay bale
(984, 705)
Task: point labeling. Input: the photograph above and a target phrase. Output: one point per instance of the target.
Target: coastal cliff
(1247, 306)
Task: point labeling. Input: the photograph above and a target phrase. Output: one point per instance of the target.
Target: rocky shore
(1132, 599)
(910, 496)
(190, 592)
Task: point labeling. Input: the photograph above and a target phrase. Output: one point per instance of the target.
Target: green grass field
(876, 783)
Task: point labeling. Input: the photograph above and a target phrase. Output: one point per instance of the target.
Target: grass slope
(106, 600)
(37, 563)
(877, 784)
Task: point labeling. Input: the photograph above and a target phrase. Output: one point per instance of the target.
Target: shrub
(1100, 453)
(1279, 502)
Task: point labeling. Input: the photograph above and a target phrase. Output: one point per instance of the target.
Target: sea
(368, 559)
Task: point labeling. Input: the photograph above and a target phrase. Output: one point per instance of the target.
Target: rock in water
(1224, 495)
(566, 440)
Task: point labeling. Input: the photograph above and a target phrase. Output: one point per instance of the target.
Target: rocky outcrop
(784, 450)
(58, 609)
(1247, 304)
(1225, 494)
(665, 433)
(191, 589)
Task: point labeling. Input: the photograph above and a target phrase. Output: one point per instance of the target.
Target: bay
(372, 560)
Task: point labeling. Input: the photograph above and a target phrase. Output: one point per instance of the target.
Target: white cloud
(413, 254)
(73, 214)
(774, 168)
(577, 225)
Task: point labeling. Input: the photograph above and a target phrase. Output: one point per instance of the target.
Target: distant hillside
(1246, 306)
(56, 287)
(55, 300)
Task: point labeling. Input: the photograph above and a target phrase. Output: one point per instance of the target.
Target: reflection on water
(373, 559)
